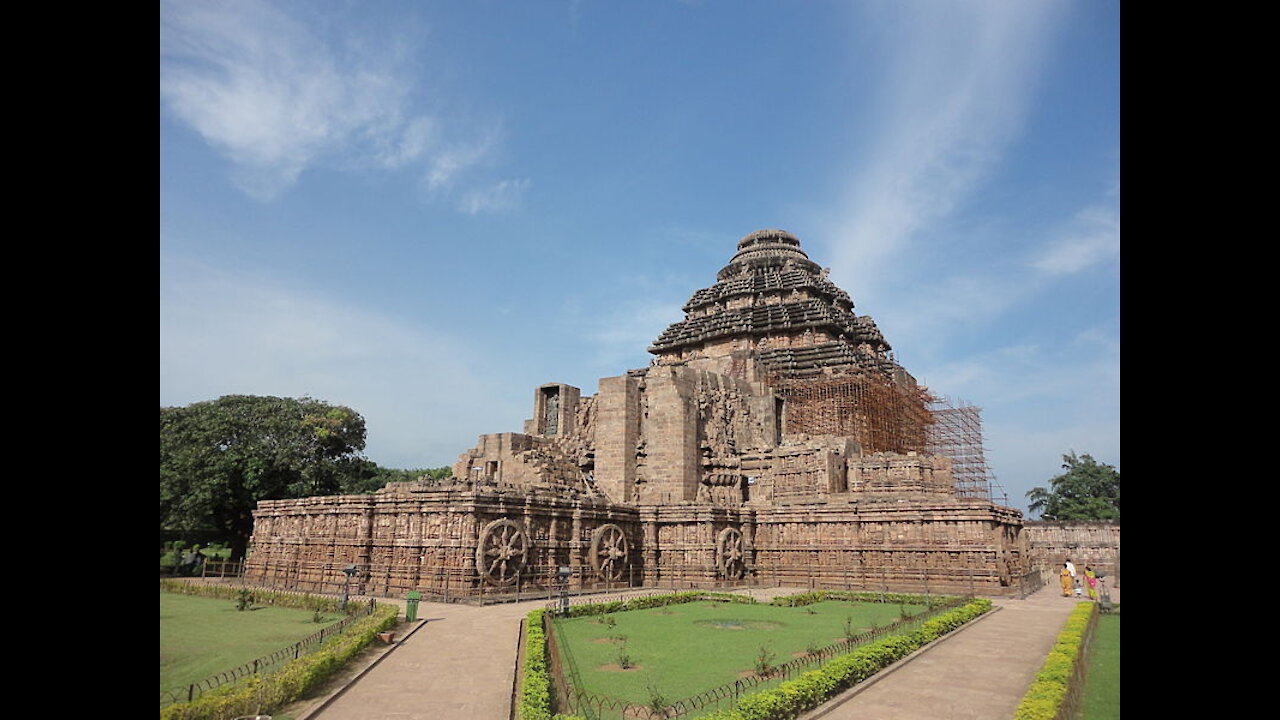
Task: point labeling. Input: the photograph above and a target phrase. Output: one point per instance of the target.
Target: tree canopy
(1088, 490)
(219, 458)
(371, 477)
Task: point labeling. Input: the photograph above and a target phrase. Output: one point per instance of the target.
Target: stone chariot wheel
(609, 552)
(730, 557)
(502, 552)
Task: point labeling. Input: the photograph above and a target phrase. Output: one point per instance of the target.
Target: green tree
(370, 477)
(219, 458)
(1088, 490)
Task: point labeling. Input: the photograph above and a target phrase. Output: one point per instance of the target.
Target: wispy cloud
(629, 329)
(453, 160)
(1092, 238)
(502, 196)
(277, 95)
(223, 333)
(959, 79)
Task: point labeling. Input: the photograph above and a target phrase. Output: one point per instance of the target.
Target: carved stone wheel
(502, 552)
(609, 552)
(730, 556)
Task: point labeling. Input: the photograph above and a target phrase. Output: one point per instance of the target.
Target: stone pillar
(671, 436)
(649, 527)
(364, 549)
(575, 548)
(617, 432)
(748, 518)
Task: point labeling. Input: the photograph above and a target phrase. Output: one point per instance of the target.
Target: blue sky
(425, 210)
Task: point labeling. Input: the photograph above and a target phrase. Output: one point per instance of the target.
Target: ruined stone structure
(773, 438)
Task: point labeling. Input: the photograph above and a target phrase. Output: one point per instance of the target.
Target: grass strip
(264, 693)
(201, 637)
(1102, 688)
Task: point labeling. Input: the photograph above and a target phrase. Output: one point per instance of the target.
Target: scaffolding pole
(878, 413)
(956, 433)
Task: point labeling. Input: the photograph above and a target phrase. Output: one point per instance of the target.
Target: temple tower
(774, 316)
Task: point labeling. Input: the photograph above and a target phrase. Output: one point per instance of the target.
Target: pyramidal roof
(771, 298)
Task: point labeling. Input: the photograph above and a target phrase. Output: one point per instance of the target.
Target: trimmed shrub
(300, 601)
(813, 596)
(644, 603)
(1044, 698)
(535, 682)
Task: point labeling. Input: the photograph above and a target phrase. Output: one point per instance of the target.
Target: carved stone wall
(454, 541)
(864, 544)
(460, 542)
(1096, 544)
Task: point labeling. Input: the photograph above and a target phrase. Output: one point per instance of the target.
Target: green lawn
(202, 636)
(682, 650)
(1102, 688)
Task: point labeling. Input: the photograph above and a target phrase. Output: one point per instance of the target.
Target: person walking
(1091, 579)
(1064, 575)
(1075, 577)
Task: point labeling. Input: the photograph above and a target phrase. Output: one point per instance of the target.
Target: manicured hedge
(813, 688)
(814, 596)
(786, 700)
(300, 601)
(653, 601)
(535, 680)
(1048, 691)
(268, 692)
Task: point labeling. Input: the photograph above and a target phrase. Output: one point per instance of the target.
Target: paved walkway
(459, 662)
(979, 672)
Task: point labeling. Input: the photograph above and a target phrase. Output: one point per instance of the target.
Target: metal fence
(267, 662)
(208, 568)
(572, 699)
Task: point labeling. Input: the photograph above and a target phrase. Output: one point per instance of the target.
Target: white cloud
(446, 165)
(502, 196)
(1094, 237)
(276, 95)
(623, 335)
(959, 80)
(424, 394)
(419, 135)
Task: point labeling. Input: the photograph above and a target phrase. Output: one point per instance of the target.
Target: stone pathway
(980, 672)
(461, 663)
(458, 662)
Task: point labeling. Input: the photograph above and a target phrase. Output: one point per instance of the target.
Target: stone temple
(772, 440)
